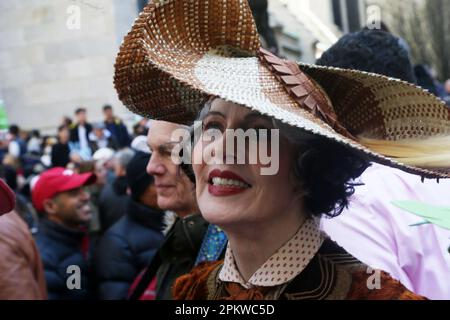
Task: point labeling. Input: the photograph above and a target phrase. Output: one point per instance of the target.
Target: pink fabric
(380, 235)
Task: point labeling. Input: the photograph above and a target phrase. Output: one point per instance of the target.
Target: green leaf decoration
(436, 215)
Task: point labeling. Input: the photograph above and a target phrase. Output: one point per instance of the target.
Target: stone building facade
(57, 55)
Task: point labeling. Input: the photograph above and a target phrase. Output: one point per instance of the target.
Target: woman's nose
(225, 148)
(229, 147)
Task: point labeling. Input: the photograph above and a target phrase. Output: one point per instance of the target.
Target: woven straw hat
(179, 52)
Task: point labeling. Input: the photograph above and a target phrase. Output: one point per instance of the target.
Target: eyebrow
(168, 146)
(215, 113)
(162, 147)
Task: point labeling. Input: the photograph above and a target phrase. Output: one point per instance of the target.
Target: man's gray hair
(123, 157)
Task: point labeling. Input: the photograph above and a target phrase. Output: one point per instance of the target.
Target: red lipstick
(226, 190)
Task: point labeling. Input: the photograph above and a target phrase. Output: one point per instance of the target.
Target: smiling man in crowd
(59, 196)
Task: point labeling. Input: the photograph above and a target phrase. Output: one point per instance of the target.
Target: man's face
(70, 208)
(101, 171)
(82, 117)
(108, 113)
(119, 169)
(174, 189)
(99, 133)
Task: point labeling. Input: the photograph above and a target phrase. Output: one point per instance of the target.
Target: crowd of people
(98, 212)
(39, 168)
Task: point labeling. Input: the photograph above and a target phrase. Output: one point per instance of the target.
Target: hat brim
(7, 198)
(165, 71)
(78, 181)
(71, 182)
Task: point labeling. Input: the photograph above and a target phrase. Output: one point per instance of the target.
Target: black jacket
(127, 248)
(61, 248)
(179, 252)
(112, 202)
(120, 133)
(60, 155)
(74, 132)
(175, 258)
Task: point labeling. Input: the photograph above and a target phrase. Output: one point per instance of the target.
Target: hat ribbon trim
(305, 92)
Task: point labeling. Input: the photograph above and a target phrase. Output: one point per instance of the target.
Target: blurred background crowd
(103, 148)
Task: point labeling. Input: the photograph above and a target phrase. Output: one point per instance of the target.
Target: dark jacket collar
(149, 217)
(120, 185)
(184, 238)
(59, 233)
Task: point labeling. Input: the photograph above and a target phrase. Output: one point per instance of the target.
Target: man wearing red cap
(60, 197)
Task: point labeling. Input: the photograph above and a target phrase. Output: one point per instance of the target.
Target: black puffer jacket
(61, 248)
(112, 202)
(127, 248)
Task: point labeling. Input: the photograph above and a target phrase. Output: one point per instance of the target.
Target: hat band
(305, 92)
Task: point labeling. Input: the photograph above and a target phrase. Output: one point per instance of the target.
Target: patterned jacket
(333, 274)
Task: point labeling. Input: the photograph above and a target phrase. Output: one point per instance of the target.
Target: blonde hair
(428, 153)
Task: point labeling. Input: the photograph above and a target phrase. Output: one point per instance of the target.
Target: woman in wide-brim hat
(182, 57)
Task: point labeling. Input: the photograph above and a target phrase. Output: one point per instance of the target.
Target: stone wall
(56, 55)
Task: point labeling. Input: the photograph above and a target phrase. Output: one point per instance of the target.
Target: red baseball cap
(55, 181)
(7, 198)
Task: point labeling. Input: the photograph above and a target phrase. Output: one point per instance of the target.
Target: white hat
(140, 144)
(103, 154)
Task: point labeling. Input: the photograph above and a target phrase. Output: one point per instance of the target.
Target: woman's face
(64, 135)
(236, 195)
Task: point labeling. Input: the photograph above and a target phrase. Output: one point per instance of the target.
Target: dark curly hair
(325, 171)
(373, 51)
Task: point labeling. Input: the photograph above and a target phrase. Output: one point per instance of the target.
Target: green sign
(4, 124)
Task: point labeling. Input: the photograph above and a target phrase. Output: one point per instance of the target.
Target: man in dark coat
(17, 146)
(59, 195)
(61, 150)
(79, 134)
(130, 244)
(176, 192)
(117, 128)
